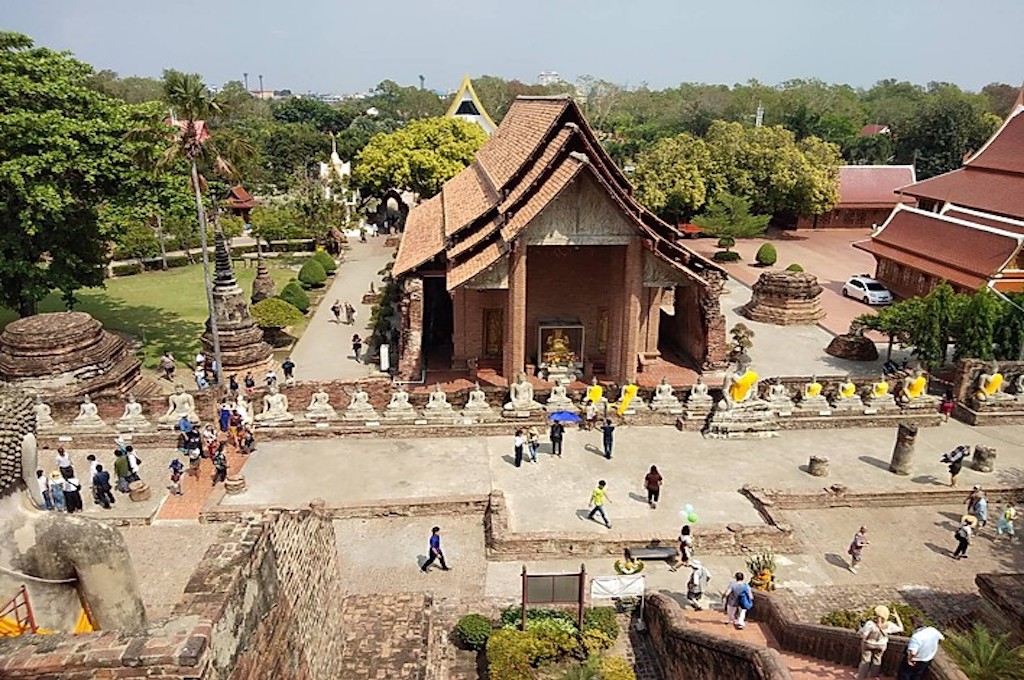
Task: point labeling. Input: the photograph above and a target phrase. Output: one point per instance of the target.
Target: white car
(866, 289)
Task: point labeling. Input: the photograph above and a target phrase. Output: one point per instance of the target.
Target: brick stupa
(67, 354)
(785, 298)
(242, 345)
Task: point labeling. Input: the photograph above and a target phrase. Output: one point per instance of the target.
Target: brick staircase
(387, 636)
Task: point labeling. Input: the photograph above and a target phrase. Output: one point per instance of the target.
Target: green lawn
(166, 310)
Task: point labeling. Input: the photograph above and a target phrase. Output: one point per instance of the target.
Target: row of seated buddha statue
(846, 396)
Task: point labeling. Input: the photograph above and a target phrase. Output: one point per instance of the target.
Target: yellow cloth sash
(849, 389)
(917, 387)
(814, 389)
(627, 396)
(880, 389)
(993, 384)
(594, 393)
(741, 385)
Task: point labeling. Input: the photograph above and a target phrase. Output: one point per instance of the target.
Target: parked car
(864, 288)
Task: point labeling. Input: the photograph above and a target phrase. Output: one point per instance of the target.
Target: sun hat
(882, 612)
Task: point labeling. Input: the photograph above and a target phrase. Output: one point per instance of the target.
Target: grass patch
(164, 309)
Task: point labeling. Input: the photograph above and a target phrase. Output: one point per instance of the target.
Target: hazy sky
(346, 46)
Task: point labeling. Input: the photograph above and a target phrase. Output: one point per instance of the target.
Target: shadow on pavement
(837, 560)
(877, 462)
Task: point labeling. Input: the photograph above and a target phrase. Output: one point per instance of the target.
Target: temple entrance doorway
(438, 327)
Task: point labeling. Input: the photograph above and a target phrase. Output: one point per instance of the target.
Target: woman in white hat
(874, 638)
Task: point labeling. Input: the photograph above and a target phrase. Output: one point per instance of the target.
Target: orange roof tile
(467, 196)
(423, 237)
(872, 185)
(1004, 152)
(995, 192)
(524, 127)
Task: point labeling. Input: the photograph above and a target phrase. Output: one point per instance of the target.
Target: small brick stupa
(242, 346)
(66, 354)
(785, 299)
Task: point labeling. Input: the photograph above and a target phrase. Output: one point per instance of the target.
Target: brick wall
(688, 654)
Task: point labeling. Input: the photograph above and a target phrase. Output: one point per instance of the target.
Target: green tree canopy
(670, 178)
(419, 157)
(728, 217)
(320, 115)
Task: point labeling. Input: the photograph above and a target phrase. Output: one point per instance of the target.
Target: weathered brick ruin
(785, 298)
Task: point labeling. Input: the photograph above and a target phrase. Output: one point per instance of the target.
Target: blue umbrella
(564, 417)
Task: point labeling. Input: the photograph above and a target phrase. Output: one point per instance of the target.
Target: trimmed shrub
(726, 242)
(511, 655)
(602, 619)
(512, 616)
(312, 274)
(595, 641)
(616, 668)
(726, 256)
(275, 313)
(293, 294)
(794, 268)
(326, 261)
(854, 619)
(766, 255)
(473, 630)
(127, 269)
(555, 637)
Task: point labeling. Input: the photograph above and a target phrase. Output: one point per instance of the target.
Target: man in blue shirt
(435, 551)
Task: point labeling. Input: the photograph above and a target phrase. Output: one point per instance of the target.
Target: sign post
(555, 589)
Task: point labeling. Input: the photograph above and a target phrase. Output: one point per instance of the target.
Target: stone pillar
(515, 312)
(411, 352)
(652, 319)
(984, 458)
(818, 466)
(459, 334)
(632, 289)
(716, 343)
(903, 451)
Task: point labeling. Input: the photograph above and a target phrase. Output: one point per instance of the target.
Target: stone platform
(1003, 416)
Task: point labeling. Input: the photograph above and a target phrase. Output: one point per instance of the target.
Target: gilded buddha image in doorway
(561, 346)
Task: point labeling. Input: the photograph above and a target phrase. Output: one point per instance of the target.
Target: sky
(341, 46)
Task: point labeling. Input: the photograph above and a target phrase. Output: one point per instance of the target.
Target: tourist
(980, 509)
(121, 470)
(247, 445)
(963, 535)
(200, 359)
(73, 494)
(874, 638)
(133, 464)
(533, 441)
(208, 437)
(200, 375)
(233, 384)
(947, 405)
(336, 311)
(556, 434)
(234, 427)
(57, 491)
(350, 314)
(517, 447)
(606, 437)
(101, 487)
(64, 463)
(176, 469)
(652, 483)
(167, 365)
(220, 465)
(224, 416)
(738, 599)
(435, 552)
(194, 451)
(697, 585)
(922, 648)
(591, 414)
(685, 547)
(973, 497)
(270, 378)
(856, 549)
(598, 497)
(357, 346)
(44, 489)
(250, 383)
(289, 369)
(211, 373)
(1006, 520)
(92, 475)
(955, 458)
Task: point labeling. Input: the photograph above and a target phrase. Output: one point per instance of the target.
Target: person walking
(738, 600)
(270, 378)
(598, 497)
(57, 491)
(336, 311)
(176, 469)
(685, 547)
(121, 470)
(856, 549)
(980, 511)
(350, 314)
(556, 434)
(134, 463)
(64, 463)
(921, 650)
(533, 442)
(1006, 519)
(44, 489)
(193, 448)
(101, 488)
(91, 459)
(250, 383)
(73, 494)
(289, 369)
(697, 585)
(606, 437)
(947, 406)
(652, 483)
(233, 385)
(167, 366)
(874, 638)
(591, 414)
(435, 552)
(955, 458)
(223, 417)
(357, 346)
(220, 465)
(963, 534)
(517, 447)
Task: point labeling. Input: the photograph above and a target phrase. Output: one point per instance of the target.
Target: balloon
(688, 508)
(692, 518)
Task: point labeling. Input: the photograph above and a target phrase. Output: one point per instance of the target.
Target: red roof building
(239, 202)
(540, 238)
(867, 194)
(872, 129)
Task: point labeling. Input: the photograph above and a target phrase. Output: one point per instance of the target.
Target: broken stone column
(903, 451)
(984, 459)
(818, 466)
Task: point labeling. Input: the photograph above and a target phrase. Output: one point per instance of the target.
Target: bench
(654, 553)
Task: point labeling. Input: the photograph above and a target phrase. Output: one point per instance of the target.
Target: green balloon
(692, 518)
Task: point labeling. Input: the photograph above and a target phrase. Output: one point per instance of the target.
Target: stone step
(387, 636)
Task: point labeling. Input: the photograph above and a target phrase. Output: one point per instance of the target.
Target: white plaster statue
(636, 403)
(778, 394)
(360, 407)
(664, 397)
(180, 405)
(739, 389)
(88, 415)
(244, 409)
(811, 397)
(699, 396)
(44, 415)
(399, 406)
(521, 396)
(1019, 388)
(477, 399)
(320, 407)
(559, 399)
(132, 419)
(275, 408)
(989, 387)
(438, 402)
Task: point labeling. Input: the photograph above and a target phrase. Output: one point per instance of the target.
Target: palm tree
(193, 105)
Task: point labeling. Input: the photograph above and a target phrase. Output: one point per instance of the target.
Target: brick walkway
(196, 490)
(386, 636)
(636, 648)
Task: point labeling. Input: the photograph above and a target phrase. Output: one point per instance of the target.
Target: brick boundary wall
(685, 653)
(769, 502)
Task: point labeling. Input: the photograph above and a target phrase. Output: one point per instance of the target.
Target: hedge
(326, 261)
(312, 274)
(275, 313)
(794, 268)
(293, 294)
(766, 255)
(726, 256)
(473, 630)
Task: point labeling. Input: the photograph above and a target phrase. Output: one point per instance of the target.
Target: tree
(272, 222)
(728, 217)
(898, 321)
(984, 655)
(293, 150)
(320, 115)
(404, 102)
(1009, 332)
(669, 177)
(275, 313)
(419, 157)
(979, 316)
(133, 90)
(63, 154)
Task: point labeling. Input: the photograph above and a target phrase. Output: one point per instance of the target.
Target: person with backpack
(874, 639)
(133, 464)
(738, 601)
(1006, 519)
(220, 465)
(533, 442)
(101, 488)
(697, 584)
(963, 536)
(73, 494)
(57, 491)
(652, 484)
(336, 311)
(176, 469)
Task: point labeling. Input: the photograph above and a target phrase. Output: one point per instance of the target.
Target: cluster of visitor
(62, 488)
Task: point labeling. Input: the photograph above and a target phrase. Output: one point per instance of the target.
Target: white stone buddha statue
(88, 415)
(665, 399)
(811, 396)
(275, 408)
(180, 405)
(989, 387)
(320, 407)
(477, 399)
(44, 415)
(699, 399)
(879, 396)
(914, 391)
(846, 396)
(739, 389)
(636, 402)
(360, 408)
(559, 399)
(438, 401)
(521, 396)
(778, 396)
(132, 419)
(1018, 388)
(399, 407)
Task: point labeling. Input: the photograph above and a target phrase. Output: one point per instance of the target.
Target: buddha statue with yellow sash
(738, 389)
(914, 392)
(846, 396)
(879, 396)
(811, 397)
(989, 387)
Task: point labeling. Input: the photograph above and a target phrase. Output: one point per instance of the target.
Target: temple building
(969, 227)
(538, 258)
(867, 194)
(467, 106)
(240, 202)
